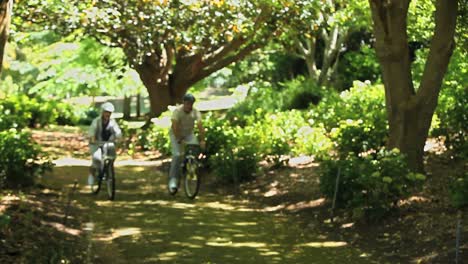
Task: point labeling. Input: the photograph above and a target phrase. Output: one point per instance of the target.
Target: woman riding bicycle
(183, 120)
(103, 129)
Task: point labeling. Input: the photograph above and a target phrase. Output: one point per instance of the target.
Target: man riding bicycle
(183, 119)
(102, 129)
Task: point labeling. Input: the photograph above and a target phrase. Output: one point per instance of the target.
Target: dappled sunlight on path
(146, 225)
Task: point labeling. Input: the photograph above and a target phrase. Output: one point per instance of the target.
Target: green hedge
(21, 160)
(370, 185)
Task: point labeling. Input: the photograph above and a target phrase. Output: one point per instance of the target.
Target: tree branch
(441, 49)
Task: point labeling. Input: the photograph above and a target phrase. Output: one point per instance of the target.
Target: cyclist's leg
(176, 161)
(94, 167)
(97, 163)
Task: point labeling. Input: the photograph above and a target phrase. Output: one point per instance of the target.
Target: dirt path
(146, 225)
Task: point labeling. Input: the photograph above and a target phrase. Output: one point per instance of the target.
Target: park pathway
(146, 225)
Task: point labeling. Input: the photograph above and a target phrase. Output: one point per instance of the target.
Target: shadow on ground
(146, 225)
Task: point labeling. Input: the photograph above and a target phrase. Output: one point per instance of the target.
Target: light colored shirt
(185, 121)
(95, 129)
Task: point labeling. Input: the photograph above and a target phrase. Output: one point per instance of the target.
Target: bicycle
(106, 172)
(190, 169)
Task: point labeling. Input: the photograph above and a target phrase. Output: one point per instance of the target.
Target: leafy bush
(21, 160)
(19, 111)
(312, 140)
(300, 93)
(155, 138)
(452, 109)
(370, 185)
(357, 136)
(356, 119)
(88, 115)
(231, 150)
(361, 65)
(459, 191)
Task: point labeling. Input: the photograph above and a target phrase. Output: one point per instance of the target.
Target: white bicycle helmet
(108, 107)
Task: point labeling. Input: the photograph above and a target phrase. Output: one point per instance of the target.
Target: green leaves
(371, 185)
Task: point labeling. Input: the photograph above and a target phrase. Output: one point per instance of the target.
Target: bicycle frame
(106, 171)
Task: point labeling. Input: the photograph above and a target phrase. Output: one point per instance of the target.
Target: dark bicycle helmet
(188, 98)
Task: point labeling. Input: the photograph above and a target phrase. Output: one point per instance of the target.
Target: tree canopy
(171, 44)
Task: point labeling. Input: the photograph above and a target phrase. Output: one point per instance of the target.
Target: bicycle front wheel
(110, 181)
(191, 179)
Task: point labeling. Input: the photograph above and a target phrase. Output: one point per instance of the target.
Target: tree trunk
(5, 19)
(127, 107)
(138, 105)
(410, 112)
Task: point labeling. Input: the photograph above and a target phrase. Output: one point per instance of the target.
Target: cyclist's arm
(117, 132)
(92, 132)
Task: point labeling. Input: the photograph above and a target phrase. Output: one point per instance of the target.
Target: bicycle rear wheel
(191, 179)
(110, 180)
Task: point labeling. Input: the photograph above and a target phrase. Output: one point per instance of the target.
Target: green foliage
(312, 140)
(452, 110)
(231, 150)
(154, 138)
(21, 160)
(19, 111)
(357, 136)
(300, 93)
(459, 191)
(356, 119)
(371, 185)
(361, 65)
(88, 115)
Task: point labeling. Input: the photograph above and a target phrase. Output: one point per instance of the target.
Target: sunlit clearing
(184, 244)
(245, 224)
(136, 214)
(272, 192)
(197, 238)
(218, 205)
(137, 169)
(130, 231)
(269, 253)
(104, 203)
(300, 160)
(413, 199)
(167, 255)
(324, 244)
(236, 245)
(347, 225)
(60, 227)
(221, 103)
(71, 162)
(304, 205)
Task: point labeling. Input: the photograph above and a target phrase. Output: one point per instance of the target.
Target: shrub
(312, 140)
(452, 109)
(21, 160)
(232, 151)
(155, 138)
(356, 119)
(370, 185)
(19, 111)
(300, 93)
(88, 115)
(459, 191)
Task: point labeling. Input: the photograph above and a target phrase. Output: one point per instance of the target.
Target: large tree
(318, 31)
(171, 44)
(410, 109)
(5, 18)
